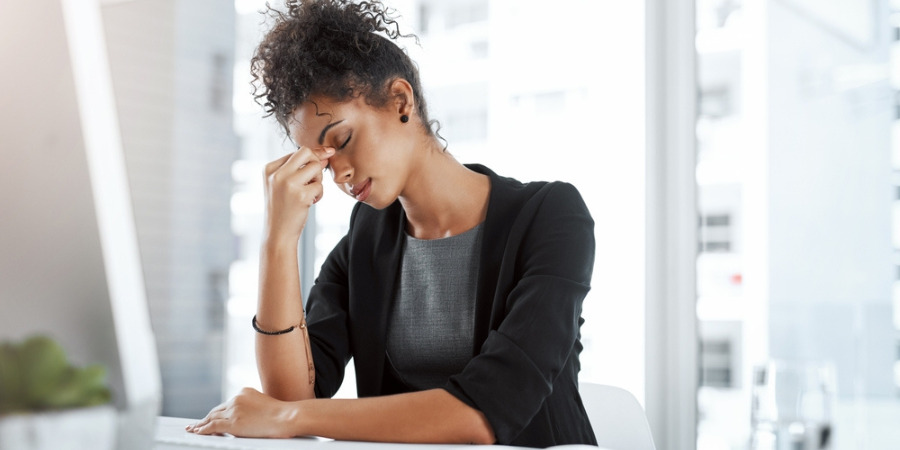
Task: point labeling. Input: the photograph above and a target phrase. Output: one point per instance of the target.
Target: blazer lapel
(377, 271)
(496, 232)
(502, 234)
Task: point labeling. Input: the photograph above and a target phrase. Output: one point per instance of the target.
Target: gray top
(433, 318)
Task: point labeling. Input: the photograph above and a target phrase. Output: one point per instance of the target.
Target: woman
(458, 292)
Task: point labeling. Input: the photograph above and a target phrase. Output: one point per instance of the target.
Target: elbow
(480, 431)
(467, 425)
(484, 437)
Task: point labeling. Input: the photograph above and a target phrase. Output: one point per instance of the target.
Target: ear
(403, 100)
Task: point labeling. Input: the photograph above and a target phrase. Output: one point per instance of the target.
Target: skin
(441, 198)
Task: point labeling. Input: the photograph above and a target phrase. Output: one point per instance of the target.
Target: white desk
(170, 435)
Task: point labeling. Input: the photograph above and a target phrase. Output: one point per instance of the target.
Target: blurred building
(795, 257)
(171, 63)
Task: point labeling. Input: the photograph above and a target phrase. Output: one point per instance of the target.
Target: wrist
(297, 420)
(273, 243)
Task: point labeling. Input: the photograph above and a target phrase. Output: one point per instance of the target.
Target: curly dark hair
(331, 48)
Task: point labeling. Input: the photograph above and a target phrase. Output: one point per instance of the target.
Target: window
(715, 233)
(171, 74)
(796, 237)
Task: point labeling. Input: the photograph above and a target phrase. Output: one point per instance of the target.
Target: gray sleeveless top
(433, 319)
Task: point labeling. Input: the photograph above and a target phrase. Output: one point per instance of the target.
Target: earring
(404, 118)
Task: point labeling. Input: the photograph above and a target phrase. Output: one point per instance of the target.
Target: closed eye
(341, 147)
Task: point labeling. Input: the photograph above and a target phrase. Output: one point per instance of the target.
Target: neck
(443, 197)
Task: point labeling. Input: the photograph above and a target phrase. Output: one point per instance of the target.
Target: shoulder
(541, 228)
(555, 200)
(514, 200)
(561, 197)
(557, 207)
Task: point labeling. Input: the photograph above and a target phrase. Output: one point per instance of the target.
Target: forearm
(432, 416)
(284, 361)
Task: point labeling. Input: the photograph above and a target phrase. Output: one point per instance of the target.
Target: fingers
(300, 168)
(196, 426)
(318, 196)
(324, 154)
(213, 413)
(217, 422)
(300, 159)
(305, 155)
(248, 414)
(275, 165)
(217, 426)
(302, 183)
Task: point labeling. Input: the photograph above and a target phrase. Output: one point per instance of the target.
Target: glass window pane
(796, 196)
(171, 65)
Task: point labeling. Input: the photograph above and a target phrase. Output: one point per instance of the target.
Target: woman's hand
(433, 416)
(250, 414)
(293, 184)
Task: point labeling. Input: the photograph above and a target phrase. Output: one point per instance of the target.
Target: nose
(340, 169)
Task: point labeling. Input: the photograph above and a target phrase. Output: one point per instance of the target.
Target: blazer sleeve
(327, 319)
(514, 372)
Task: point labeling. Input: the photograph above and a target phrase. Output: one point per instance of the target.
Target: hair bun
(336, 48)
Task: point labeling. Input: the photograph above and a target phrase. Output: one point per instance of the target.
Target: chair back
(618, 420)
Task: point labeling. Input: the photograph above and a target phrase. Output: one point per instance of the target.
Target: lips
(361, 191)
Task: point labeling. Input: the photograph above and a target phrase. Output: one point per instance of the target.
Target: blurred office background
(789, 138)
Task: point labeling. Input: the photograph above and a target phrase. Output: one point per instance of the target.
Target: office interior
(741, 159)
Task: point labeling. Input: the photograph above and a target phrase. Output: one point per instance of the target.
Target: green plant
(35, 377)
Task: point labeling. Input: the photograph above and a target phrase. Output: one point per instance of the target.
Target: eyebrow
(325, 130)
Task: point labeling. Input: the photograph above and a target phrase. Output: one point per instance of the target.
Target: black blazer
(536, 262)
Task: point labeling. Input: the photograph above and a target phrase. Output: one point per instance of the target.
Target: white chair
(618, 419)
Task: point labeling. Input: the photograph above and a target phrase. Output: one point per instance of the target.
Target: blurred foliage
(35, 377)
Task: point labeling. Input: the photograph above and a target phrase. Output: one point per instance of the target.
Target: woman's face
(373, 148)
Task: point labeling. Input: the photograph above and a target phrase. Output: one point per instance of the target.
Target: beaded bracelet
(272, 333)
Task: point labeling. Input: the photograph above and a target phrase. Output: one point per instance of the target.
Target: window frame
(671, 244)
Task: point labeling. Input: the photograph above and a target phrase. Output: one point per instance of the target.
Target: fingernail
(329, 151)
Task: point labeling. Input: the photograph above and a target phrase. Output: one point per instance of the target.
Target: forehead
(306, 123)
(307, 120)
